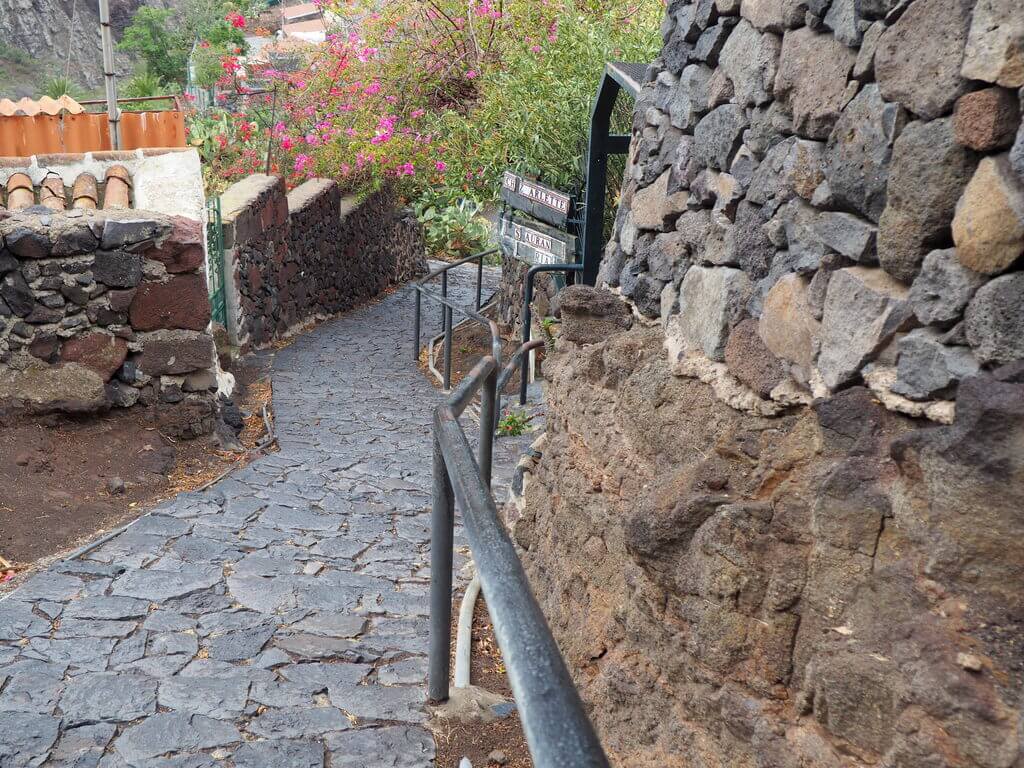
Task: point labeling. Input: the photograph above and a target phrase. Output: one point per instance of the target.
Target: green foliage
(153, 38)
(547, 326)
(56, 87)
(532, 114)
(12, 55)
(513, 424)
(453, 231)
(144, 83)
(163, 39)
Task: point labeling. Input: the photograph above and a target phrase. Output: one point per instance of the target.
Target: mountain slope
(35, 35)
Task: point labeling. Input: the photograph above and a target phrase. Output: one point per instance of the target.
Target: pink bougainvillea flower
(301, 161)
(441, 166)
(287, 142)
(471, 75)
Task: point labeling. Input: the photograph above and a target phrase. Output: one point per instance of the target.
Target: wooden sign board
(540, 201)
(534, 243)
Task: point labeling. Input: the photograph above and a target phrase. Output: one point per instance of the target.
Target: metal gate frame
(215, 262)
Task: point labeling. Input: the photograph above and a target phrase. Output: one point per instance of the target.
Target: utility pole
(113, 113)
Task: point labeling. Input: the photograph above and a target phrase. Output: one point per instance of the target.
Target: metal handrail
(447, 307)
(558, 732)
(527, 318)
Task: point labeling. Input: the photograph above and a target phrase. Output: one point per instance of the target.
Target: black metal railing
(527, 318)
(558, 732)
(448, 307)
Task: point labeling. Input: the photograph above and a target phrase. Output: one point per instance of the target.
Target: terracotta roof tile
(84, 192)
(45, 105)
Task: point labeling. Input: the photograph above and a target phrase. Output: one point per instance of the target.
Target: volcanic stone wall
(310, 253)
(104, 309)
(847, 175)
(776, 518)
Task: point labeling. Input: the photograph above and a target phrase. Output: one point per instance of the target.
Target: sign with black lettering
(539, 200)
(535, 243)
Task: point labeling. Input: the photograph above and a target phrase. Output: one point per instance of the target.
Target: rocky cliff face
(780, 520)
(43, 28)
(834, 586)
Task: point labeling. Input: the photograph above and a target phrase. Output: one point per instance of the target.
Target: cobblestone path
(278, 618)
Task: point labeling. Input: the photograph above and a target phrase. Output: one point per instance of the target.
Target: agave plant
(59, 86)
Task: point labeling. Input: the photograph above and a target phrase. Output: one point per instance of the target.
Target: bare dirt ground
(470, 342)
(477, 741)
(65, 480)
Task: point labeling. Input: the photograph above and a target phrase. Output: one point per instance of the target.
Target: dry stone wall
(308, 254)
(850, 175)
(776, 518)
(103, 309)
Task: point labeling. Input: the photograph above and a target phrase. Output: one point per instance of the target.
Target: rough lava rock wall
(104, 309)
(310, 254)
(848, 174)
(831, 586)
(779, 521)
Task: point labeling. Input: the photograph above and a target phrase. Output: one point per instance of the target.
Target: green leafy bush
(453, 231)
(438, 97)
(513, 424)
(58, 86)
(13, 55)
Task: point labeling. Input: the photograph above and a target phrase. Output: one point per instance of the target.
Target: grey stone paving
(278, 618)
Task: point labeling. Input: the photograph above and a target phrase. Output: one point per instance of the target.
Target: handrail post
(479, 281)
(487, 412)
(444, 294)
(527, 321)
(447, 347)
(416, 326)
(442, 534)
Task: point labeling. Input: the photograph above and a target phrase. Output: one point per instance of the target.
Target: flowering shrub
(438, 97)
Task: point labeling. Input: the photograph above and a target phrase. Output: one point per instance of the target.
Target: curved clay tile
(118, 190)
(27, 106)
(85, 192)
(52, 194)
(19, 192)
(67, 104)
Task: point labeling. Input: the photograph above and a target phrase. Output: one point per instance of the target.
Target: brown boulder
(181, 302)
(182, 249)
(787, 325)
(42, 388)
(988, 227)
(101, 352)
(590, 315)
(750, 361)
(986, 119)
(175, 352)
